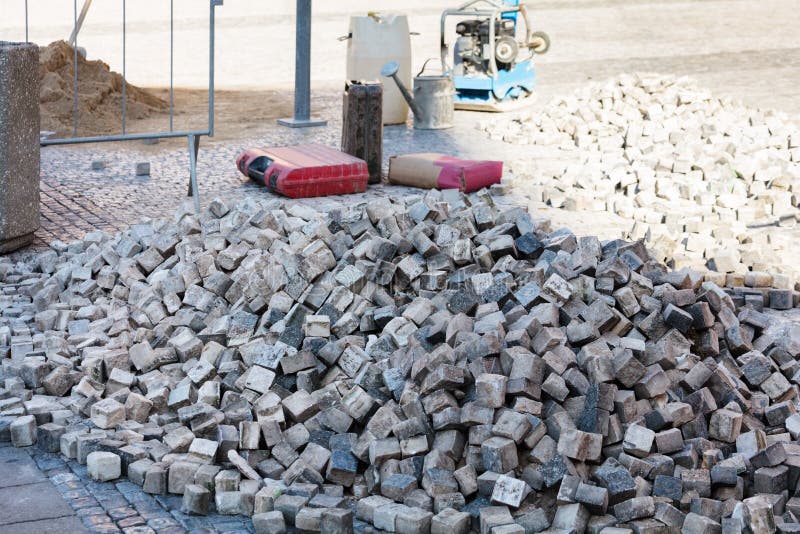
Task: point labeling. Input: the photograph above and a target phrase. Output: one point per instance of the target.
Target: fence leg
(302, 71)
(194, 148)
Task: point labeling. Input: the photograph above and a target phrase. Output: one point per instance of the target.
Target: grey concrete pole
(302, 71)
(19, 144)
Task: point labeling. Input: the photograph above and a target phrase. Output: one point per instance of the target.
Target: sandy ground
(238, 114)
(748, 49)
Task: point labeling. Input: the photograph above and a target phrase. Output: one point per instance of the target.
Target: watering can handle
(426, 64)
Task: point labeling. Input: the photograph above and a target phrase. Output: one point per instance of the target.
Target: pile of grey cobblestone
(430, 365)
(693, 175)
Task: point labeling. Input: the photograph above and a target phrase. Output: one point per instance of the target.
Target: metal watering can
(432, 103)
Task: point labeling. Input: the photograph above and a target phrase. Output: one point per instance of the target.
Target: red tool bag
(439, 171)
(305, 170)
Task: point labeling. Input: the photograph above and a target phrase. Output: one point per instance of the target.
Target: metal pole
(194, 146)
(84, 10)
(128, 137)
(212, 24)
(302, 62)
(124, 82)
(171, 59)
(26, 22)
(302, 71)
(75, 72)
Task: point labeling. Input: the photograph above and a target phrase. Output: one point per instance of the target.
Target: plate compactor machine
(491, 69)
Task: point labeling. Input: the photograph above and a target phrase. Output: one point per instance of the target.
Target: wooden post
(362, 124)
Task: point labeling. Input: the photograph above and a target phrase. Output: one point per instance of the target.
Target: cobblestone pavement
(76, 199)
(750, 54)
(31, 482)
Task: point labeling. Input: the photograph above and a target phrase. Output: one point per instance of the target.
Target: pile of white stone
(691, 173)
(430, 365)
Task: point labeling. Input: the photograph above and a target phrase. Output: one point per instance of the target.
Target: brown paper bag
(415, 170)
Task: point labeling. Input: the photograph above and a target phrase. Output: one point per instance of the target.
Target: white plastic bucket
(375, 40)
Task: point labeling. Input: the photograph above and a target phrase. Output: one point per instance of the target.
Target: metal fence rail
(192, 136)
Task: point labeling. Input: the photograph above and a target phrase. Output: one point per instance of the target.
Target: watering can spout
(390, 70)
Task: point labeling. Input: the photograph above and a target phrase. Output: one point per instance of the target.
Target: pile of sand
(99, 94)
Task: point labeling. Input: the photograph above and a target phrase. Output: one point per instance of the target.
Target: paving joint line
(46, 479)
(35, 520)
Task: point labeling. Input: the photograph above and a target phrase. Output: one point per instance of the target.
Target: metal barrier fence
(192, 136)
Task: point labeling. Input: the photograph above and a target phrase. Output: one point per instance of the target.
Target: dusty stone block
(108, 413)
(450, 521)
(638, 441)
(196, 500)
(48, 437)
(636, 508)
(698, 524)
(104, 466)
(23, 431)
(269, 523)
(581, 446)
(499, 454)
(571, 517)
(725, 425)
(491, 389)
(510, 491)
(337, 521)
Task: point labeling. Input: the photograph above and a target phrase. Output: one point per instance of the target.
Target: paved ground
(40, 493)
(36, 502)
(76, 199)
(750, 53)
(745, 49)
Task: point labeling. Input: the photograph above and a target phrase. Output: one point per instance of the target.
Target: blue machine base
(507, 85)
